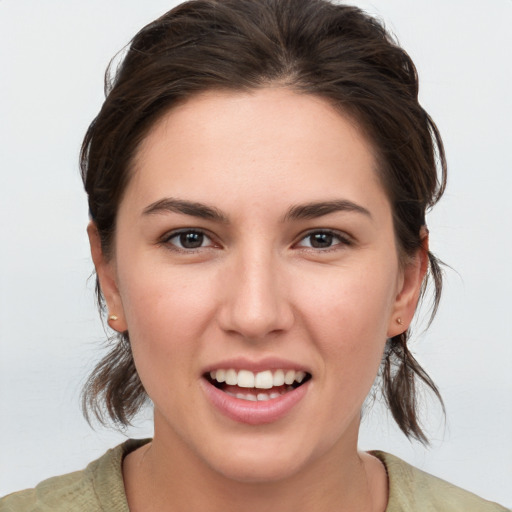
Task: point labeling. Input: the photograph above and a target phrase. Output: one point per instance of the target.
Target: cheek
(355, 304)
(163, 298)
(348, 315)
(168, 313)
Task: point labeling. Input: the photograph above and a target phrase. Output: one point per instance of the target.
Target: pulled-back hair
(315, 47)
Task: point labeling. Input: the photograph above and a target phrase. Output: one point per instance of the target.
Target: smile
(257, 386)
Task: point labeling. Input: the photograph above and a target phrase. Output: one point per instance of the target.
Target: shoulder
(98, 487)
(411, 489)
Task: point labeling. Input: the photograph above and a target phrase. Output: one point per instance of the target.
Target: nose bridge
(257, 303)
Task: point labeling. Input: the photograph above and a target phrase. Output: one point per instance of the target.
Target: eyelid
(169, 235)
(343, 237)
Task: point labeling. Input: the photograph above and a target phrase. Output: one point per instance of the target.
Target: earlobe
(414, 272)
(105, 272)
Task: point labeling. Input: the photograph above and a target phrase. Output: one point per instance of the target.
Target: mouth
(257, 386)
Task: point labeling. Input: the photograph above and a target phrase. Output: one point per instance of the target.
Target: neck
(166, 476)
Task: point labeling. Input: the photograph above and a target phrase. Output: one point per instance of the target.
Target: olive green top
(100, 488)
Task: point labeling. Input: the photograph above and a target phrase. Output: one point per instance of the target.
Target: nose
(256, 302)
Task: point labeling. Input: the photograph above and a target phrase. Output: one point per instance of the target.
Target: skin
(257, 288)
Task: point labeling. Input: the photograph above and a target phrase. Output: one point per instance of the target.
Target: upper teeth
(261, 380)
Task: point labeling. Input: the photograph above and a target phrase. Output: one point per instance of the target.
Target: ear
(409, 290)
(105, 271)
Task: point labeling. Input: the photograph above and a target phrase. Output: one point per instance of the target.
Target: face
(256, 271)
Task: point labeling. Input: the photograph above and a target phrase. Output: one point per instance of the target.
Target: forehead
(261, 144)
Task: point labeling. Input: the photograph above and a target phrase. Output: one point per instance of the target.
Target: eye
(188, 239)
(323, 239)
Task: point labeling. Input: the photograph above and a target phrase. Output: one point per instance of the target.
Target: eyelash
(343, 240)
(166, 240)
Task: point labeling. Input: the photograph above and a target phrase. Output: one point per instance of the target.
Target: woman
(258, 178)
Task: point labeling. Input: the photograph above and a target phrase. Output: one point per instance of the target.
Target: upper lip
(267, 363)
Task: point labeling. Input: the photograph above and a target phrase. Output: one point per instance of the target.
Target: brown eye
(323, 240)
(189, 239)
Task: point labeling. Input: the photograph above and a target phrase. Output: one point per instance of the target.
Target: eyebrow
(296, 212)
(318, 209)
(191, 208)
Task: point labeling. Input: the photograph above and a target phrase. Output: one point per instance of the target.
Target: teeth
(278, 378)
(264, 380)
(289, 377)
(245, 379)
(261, 380)
(260, 397)
(231, 377)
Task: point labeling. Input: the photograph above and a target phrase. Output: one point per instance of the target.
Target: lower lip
(254, 413)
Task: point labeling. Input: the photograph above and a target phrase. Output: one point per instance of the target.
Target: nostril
(257, 310)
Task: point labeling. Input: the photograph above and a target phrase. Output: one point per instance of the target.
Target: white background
(52, 57)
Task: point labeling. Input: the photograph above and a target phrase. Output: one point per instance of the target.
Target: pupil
(321, 240)
(191, 240)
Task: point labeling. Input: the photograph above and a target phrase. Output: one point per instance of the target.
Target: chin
(258, 468)
(266, 457)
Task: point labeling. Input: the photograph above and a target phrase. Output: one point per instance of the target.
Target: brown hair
(310, 46)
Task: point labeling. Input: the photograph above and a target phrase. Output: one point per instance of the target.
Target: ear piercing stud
(113, 318)
(399, 321)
